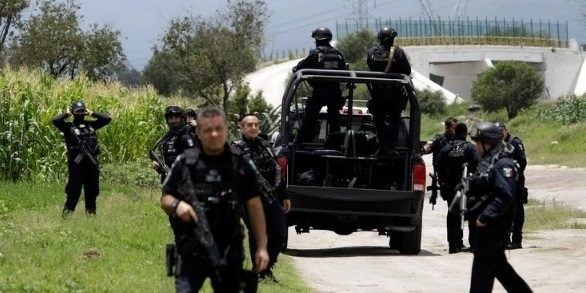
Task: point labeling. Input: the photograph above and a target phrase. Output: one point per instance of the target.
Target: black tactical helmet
(173, 111)
(77, 106)
(322, 34)
(501, 125)
(486, 132)
(387, 34)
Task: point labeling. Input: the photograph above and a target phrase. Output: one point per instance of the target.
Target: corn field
(31, 148)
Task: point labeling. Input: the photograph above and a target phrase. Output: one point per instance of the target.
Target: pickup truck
(336, 182)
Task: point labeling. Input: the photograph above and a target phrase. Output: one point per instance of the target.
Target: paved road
(271, 81)
(552, 261)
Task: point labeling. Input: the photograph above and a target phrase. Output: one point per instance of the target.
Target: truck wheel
(411, 242)
(395, 240)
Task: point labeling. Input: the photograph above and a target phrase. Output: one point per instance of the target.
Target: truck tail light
(283, 164)
(418, 177)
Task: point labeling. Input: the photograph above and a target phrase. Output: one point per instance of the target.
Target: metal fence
(487, 31)
(478, 31)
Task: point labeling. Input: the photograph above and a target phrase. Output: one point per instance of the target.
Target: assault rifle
(266, 189)
(433, 188)
(163, 169)
(461, 199)
(84, 150)
(202, 234)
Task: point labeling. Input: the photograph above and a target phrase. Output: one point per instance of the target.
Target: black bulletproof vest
(86, 134)
(263, 158)
(169, 148)
(456, 158)
(380, 58)
(329, 58)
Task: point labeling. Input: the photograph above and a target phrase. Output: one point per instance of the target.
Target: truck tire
(395, 240)
(411, 242)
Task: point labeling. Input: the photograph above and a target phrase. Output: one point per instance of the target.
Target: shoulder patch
(520, 146)
(507, 172)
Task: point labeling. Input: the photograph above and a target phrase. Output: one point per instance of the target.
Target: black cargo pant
(454, 229)
(519, 212)
(83, 175)
(276, 227)
(386, 107)
(194, 270)
(490, 262)
(321, 96)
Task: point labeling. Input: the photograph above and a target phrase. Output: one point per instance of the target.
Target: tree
(354, 47)
(52, 40)
(511, 85)
(10, 12)
(209, 57)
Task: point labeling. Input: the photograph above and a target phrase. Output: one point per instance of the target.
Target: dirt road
(552, 261)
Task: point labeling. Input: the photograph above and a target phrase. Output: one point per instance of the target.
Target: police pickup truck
(336, 182)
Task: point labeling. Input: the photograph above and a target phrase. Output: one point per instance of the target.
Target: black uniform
(437, 143)
(228, 180)
(173, 144)
(82, 171)
(388, 101)
(519, 214)
(324, 93)
(449, 168)
(491, 197)
(264, 158)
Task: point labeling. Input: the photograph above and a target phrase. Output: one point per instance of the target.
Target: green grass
(552, 214)
(121, 250)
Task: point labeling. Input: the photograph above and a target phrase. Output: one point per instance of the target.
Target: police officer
(227, 181)
(191, 120)
(388, 101)
(324, 56)
(440, 140)
(450, 169)
(491, 197)
(175, 141)
(81, 141)
(521, 199)
(275, 200)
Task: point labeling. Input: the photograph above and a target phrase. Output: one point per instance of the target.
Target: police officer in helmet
(175, 141)
(449, 168)
(223, 179)
(521, 199)
(492, 192)
(81, 141)
(329, 94)
(388, 101)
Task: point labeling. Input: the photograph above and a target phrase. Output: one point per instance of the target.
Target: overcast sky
(142, 22)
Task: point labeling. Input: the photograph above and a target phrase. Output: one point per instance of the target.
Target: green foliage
(33, 149)
(209, 57)
(120, 250)
(544, 215)
(354, 47)
(53, 40)
(10, 14)
(567, 110)
(511, 85)
(244, 103)
(431, 103)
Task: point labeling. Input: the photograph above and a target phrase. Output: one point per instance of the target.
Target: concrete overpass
(563, 69)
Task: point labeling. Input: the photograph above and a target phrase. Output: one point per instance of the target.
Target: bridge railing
(482, 40)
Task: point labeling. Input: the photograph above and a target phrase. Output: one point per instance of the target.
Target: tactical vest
(380, 58)
(438, 143)
(218, 194)
(169, 148)
(86, 133)
(456, 158)
(264, 159)
(479, 194)
(329, 58)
